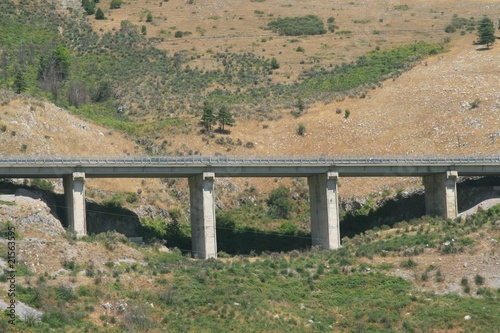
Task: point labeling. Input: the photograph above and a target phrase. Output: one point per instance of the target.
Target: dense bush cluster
(461, 24)
(297, 26)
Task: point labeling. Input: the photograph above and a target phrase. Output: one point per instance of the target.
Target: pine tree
(208, 118)
(20, 84)
(89, 6)
(486, 32)
(225, 118)
(99, 15)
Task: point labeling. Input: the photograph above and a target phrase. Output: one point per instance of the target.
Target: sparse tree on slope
(89, 6)
(208, 118)
(20, 84)
(225, 118)
(486, 32)
(99, 15)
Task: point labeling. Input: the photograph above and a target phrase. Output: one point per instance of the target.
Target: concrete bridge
(439, 173)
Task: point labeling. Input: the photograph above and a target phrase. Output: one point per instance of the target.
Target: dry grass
(236, 26)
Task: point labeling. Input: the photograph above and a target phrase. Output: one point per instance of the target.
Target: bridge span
(439, 173)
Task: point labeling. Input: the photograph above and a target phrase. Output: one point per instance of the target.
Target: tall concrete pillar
(74, 193)
(202, 204)
(325, 227)
(441, 195)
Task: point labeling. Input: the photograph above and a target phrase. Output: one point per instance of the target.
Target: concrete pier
(74, 192)
(325, 228)
(202, 205)
(441, 194)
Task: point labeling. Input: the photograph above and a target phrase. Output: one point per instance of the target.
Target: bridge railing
(245, 160)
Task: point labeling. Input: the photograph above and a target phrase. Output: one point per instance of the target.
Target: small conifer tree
(225, 118)
(99, 15)
(486, 32)
(208, 118)
(20, 84)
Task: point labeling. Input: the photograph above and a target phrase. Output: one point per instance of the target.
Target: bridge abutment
(202, 206)
(74, 193)
(441, 194)
(323, 196)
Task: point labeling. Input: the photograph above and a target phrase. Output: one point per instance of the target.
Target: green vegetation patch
(371, 68)
(461, 24)
(15, 34)
(297, 26)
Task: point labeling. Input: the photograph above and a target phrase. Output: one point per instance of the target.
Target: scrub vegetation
(121, 80)
(350, 289)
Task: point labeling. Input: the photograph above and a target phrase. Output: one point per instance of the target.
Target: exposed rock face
(30, 211)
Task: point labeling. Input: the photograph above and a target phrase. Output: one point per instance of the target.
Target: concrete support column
(441, 195)
(202, 204)
(74, 193)
(325, 227)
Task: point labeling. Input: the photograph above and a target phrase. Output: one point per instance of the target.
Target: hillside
(422, 275)
(129, 92)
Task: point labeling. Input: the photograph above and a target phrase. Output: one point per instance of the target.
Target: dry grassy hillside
(239, 26)
(31, 126)
(425, 111)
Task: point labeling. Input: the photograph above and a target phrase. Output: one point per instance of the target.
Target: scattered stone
(61, 271)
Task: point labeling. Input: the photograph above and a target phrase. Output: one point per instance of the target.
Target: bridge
(439, 173)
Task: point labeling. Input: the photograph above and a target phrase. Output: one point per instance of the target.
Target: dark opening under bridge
(439, 173)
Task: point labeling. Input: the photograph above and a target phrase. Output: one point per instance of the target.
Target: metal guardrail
(247, 160)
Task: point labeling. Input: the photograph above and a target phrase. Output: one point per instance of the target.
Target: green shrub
(131, 197)
(301, 130)
(115, 4)
(479, 280)
(280, 203)
(42, 184)
(7, 229)
(154, 228)
(288, 228)
(401, 7)
(460, 23)
(296, 26)
(409, 263)
(89, 6)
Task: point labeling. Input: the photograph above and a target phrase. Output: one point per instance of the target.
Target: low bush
(296, 26)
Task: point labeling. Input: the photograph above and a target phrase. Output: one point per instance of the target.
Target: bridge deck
(244, 166)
